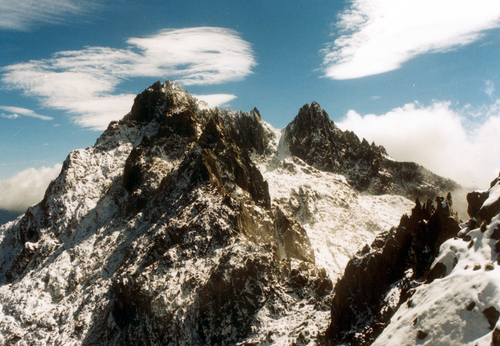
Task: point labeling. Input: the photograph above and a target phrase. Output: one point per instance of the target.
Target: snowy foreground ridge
(185, 225)
(462, 307)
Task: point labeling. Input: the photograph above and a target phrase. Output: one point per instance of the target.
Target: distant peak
(256, 112)
(310, 119)
(316, 115)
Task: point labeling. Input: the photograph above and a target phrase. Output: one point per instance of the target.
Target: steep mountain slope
(185, 225)
(430, 281)
(309, 166)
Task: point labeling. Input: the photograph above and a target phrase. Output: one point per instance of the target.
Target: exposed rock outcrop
(166, 232)
(401, 257)
(441, 287)
(248, 130)
(162, 233)
(314, 138)
(292, 238)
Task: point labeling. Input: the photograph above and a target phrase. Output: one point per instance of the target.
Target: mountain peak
(313, 137)
(157, 99)
(184, 225)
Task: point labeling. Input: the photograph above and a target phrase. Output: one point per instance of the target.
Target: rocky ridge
(430, 280)
(186, 225)
(399, 258)
(314, 138)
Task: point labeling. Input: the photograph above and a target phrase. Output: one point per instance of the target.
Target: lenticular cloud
(82, 82)
(378, 36)
(195, 55)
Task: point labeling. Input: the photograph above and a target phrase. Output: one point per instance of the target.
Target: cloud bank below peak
(26, 188)
(83, 82)
(459, 144)
(378, 36)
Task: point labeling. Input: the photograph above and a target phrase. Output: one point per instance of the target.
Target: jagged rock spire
(313, 137)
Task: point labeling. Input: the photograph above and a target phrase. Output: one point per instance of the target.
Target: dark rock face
(187, 237)
(492, 315)
(248, 130)
(478, 210)
(495, 234)
(146, 103)
(475, 201)
(437, 272)
(495, 338)
(234, 163)
(28, 233)
(314, 138)
(292, 237)
(421, 335)
(213, 158)
(413, 245)
(488, 211)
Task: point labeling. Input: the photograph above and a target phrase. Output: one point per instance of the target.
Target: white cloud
(216, 100)
(24, 14)
(489, 88)
(26, 188)
(195, 55)
(437, 137)
(380, 35)
(9, 116)
(83, 82)
(15, 111)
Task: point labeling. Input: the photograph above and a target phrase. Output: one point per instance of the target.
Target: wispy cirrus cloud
(15, 112)
(378, 36)
(446, 141)
(83, 82)
(22, 15)
(195, 56)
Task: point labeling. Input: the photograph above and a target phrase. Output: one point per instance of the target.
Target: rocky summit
(314, 138)
(190, 225)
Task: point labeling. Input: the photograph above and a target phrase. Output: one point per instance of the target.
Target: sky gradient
(418, 77)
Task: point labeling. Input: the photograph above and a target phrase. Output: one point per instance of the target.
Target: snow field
(450, 309)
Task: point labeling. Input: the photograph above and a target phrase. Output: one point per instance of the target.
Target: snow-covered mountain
(185, 225)
(430, 281)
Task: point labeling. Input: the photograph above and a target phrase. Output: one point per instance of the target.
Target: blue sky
(418, 77)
